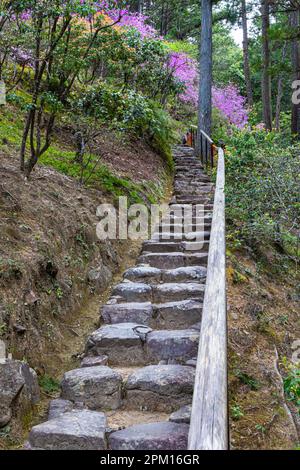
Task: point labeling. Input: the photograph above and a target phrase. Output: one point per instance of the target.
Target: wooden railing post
(209, 418)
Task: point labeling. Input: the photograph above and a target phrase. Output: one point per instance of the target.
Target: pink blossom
(231, 104)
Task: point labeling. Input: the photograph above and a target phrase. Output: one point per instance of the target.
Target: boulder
(19, 389)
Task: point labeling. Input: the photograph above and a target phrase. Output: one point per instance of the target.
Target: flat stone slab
(91, 361)
(160, 388)
(130, 312)
(98, 388)
(185, 274)
(177, 315)
(132, 292)
(143, 274)
(171, 292)
(153, 436)
(121, 342)
(75, 430)
(58, 407)
(183, 415)
(176, 345)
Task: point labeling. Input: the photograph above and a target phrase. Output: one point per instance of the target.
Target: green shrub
(127, 110)
(262, 190)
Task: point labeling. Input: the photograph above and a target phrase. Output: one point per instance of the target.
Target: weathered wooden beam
(209, 419)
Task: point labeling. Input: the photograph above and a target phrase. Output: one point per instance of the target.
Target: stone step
(129, 344)
(74, 430)
(171, 346)
(160, 388)
(174, 247)
(123, 343)
(176, 207)
(152, 436)
(177, 315)
(166, 292)
(168, 315)
(132, 292)
(130, 312)
(154, 275)
(174, 260)
(171, 227)
(97, 388)
(171, 292)
(143, 274)
(194, 200)
(190, 236)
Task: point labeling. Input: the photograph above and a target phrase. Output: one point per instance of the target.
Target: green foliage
(48, 384)
(247, 379)
(129, 111)
(262, 190)
(236, 412)
(291, 383)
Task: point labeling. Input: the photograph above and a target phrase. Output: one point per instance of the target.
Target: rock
(122, 343)
(99, 388)
(58, 406)
(160, 388)
(183, 415)
(20, 329)
(177, 345)
(185, 274)
(191, 362)
(75, 430)
(171, 292)
(179, 314)
(91, 361)
(100, 277)
(132, 292)
(163, 260)
(31, 298)
(153, 436)
(19, 389)
(5, 415)
(131, 312)
(143, 273)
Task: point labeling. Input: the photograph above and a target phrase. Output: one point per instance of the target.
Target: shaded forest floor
(264, 321)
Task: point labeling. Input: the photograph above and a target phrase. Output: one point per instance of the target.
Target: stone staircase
(143, 356)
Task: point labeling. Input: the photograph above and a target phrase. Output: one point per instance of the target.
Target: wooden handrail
(203, 144)
(209, 418)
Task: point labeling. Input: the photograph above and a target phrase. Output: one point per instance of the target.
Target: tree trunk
(279, 91)
(266, 79)
(295, 120)
(204, 107)
(247, 72)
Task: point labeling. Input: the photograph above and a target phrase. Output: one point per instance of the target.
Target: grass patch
(48, 384)
(95, 173)
(246, 379)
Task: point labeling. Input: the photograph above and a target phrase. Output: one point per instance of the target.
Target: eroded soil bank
(54, 272)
